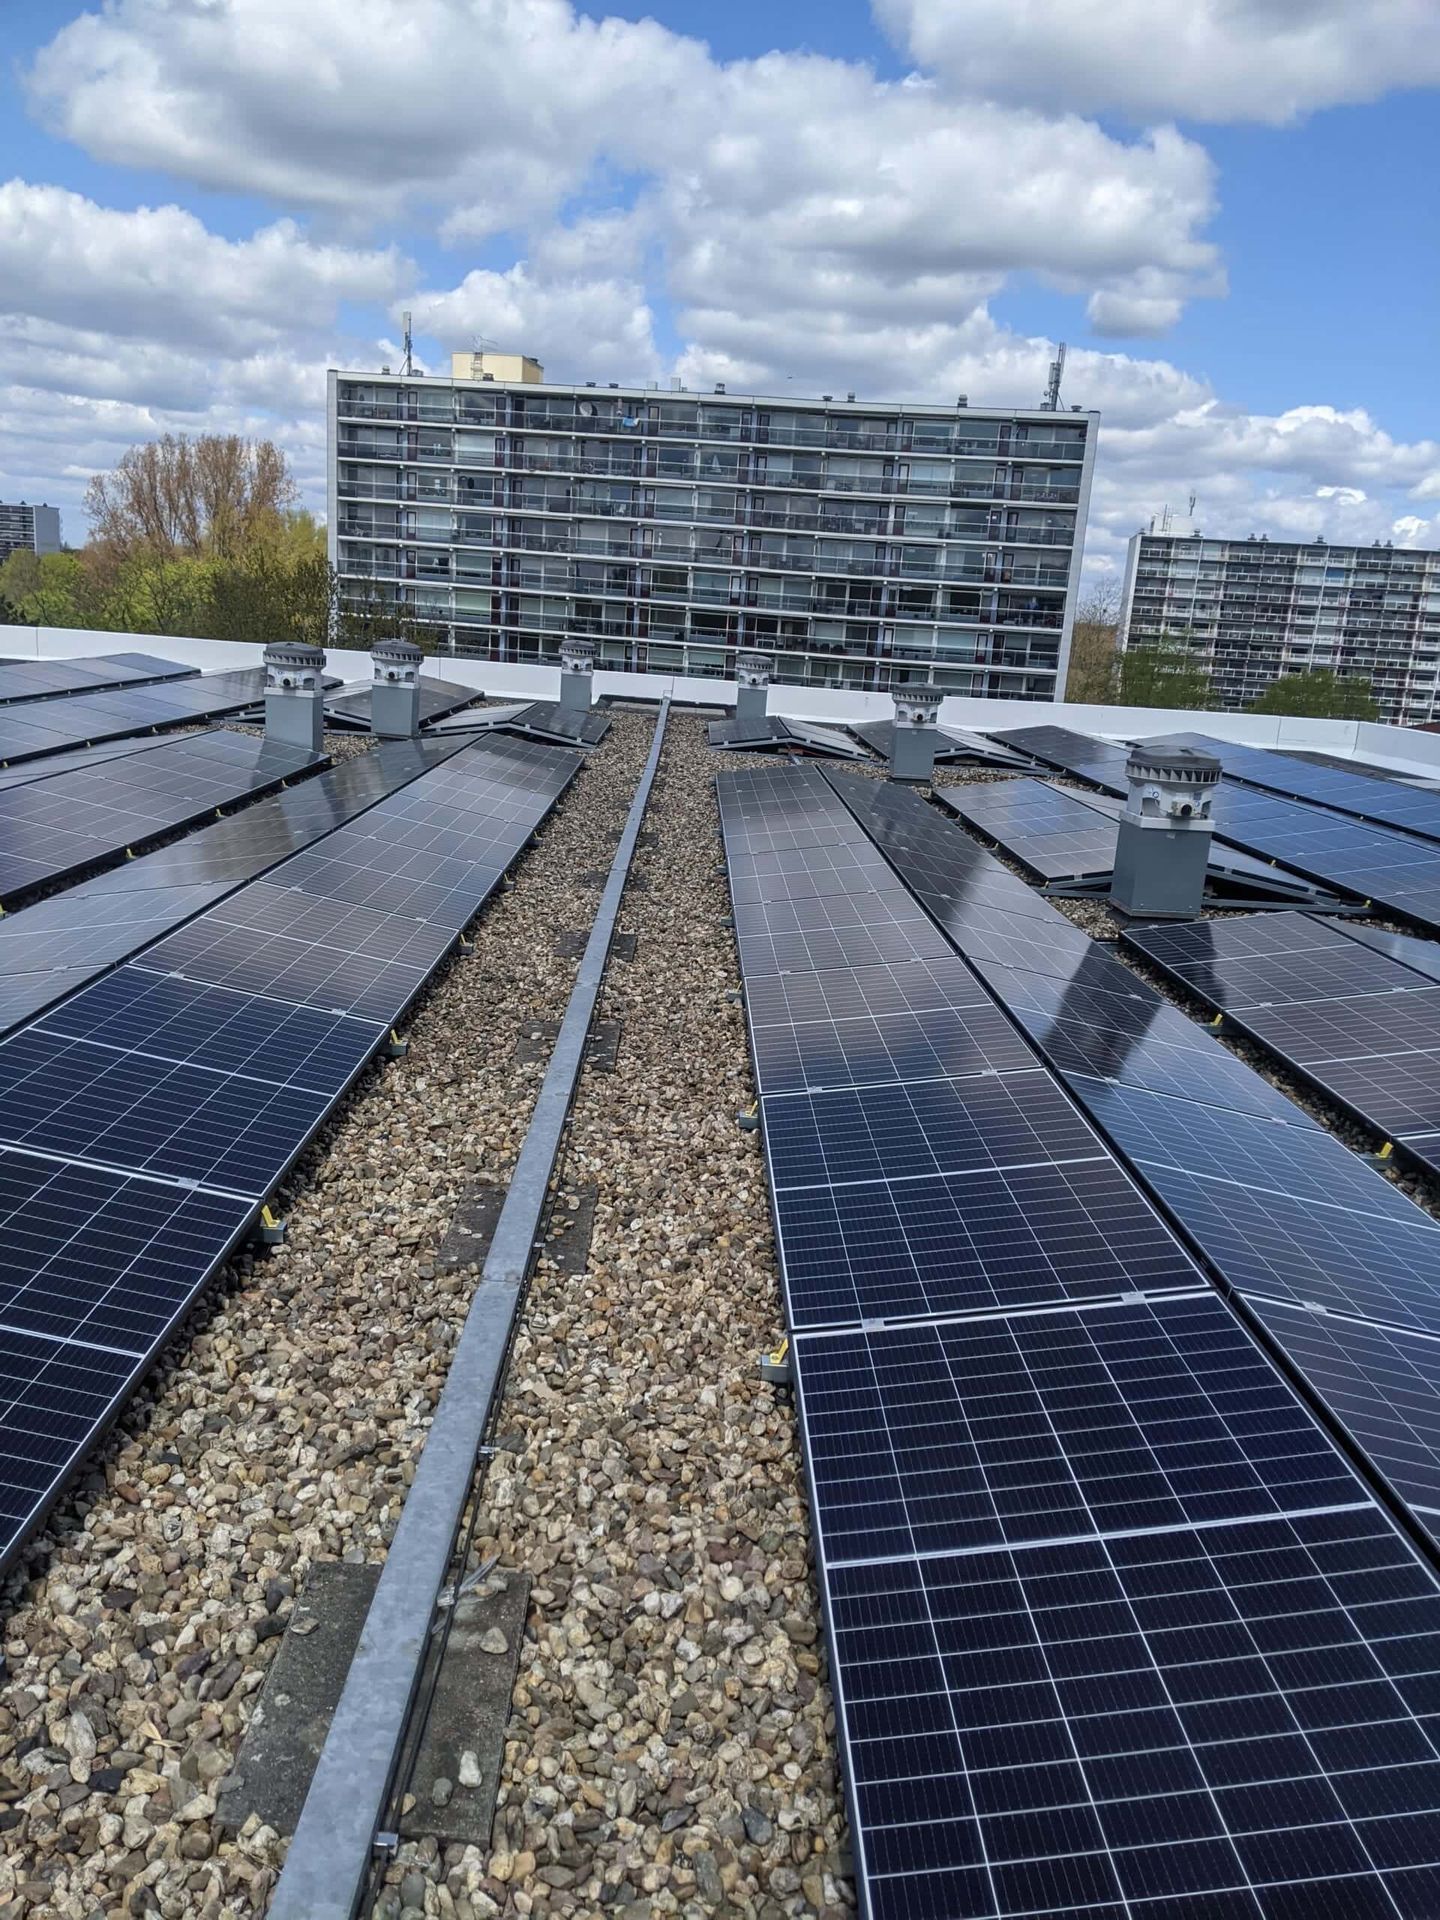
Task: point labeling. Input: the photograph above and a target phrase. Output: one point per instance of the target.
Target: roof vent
(719, 386)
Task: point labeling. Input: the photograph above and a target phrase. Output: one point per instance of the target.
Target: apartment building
(1257, 608)
(37, 528)
(863, 544)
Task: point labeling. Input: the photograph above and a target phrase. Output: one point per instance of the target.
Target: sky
(1224, 208)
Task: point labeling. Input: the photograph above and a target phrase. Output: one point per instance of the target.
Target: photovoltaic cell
(1344, 790)
(1381, 1384)
(53, 725)
(143, 1121)
(1362, 1027)
(54, 827)
(24, 680)
(1207, 1723)
(954, 1435)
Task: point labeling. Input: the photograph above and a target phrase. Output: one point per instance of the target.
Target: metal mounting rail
(331, 1854)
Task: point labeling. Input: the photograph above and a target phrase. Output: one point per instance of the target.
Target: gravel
(672, 1743)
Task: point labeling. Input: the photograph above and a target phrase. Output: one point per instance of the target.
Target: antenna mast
(407, 364)
(1051, 402)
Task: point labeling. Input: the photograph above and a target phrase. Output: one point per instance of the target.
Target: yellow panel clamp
(748, 1119)
(1386, 1152)
(271, 1230)
(775, 1365)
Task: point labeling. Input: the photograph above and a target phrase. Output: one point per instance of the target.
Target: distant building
(863, 544)
(1257, 608)
(37, 528)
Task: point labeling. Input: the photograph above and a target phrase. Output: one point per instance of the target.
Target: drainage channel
(340, 1826)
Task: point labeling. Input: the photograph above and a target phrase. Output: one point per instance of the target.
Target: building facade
(863, 545)
(1257, 608)
(36, 528)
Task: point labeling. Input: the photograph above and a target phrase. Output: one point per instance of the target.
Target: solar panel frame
(56, 724)
(1342, 790)
(39, 679)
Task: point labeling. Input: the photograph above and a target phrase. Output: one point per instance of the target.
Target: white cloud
(160, 276)
(1219, 60)
(588, 326)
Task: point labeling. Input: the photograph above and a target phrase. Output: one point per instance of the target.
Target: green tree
(1320, 694)
(1162, 673)
(1093, 642)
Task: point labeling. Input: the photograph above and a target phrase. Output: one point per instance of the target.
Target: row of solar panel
(1342, 790)
(79, 818)
(1287, 1216)
(1362, 1027)
(1396, 870)
(1067, 839)
(56, 945)
(51, 726)
(543, 720)
(1088, 1573)
(44, 679)
(147, 1116)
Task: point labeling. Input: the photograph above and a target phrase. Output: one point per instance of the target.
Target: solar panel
(1360, 1026)
(1343, 790)
(1381, 1384)
(953, 745)
(548, 720)
(351, 705)
(143, 1121)
(24, 680)
(1114, 1629)
(32, 770)
(1069, 752)
(957, 1435)
(1054, 836)
(1220, 1722)
(1234, 1149)
(87, 815)
(50, 948)
(55, 724)
(1422, 956)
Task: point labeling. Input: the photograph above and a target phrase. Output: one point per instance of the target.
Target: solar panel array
(1361, 1026)
(1341, 789)
(29, 771)
(1395, 870)
(770, 734)
(54, 724)
(1289, 1220)
(350, 707)
(1067, 839)
(144, 1120)
(55, 945)
(1091, 1571)
(953, 745)
(87, 815)
(543, 720)
(39, 679)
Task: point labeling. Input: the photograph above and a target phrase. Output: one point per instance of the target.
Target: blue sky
(1223, 210)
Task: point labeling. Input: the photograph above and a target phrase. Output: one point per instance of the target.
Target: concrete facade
(25, 526)
(1254, 609)
(863, 545)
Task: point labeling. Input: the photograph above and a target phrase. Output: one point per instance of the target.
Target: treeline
(198, 538)
(1169, 673)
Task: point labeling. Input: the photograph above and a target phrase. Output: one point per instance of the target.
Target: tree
(1093, 640)
(1320, 694)
(215, 496)
(1162, 673)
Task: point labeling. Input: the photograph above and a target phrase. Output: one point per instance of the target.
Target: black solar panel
(1210, 1723)
(438, 697)
(88, 815)
(764, 733)
(1422, 956)
(962, 1434)
(1381, 1384)
(1048, 831)
(24, 680)
(50, 726)
(1344, 790)
(143, 1121)
(1235, 1149)
(30, 771)
(54, 946)
(869, 1049)
(1361, 1026)
(953, 745)
(548, 720)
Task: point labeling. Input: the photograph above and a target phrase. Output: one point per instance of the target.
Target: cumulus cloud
(1217, 60)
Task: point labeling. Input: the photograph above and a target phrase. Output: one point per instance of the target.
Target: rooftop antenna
(1190, 510)
(1165, 518)
(407, 363)
(1051, 402)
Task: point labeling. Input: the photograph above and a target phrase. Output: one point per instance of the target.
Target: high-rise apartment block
(863, 545)
(35, 528)
(1256, 608)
